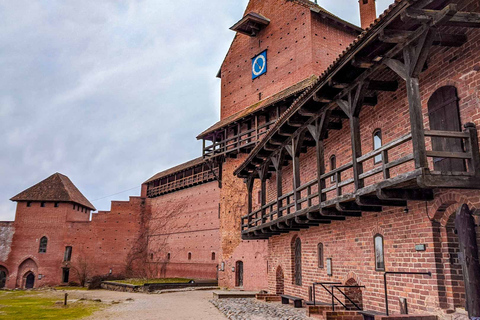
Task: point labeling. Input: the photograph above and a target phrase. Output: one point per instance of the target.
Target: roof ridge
(57, 187)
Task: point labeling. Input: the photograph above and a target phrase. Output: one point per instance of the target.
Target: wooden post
(277, 163)
(472, 147)
(356, 152)
(465, 226)
(294, 153)
(250, 182)
(65, 300)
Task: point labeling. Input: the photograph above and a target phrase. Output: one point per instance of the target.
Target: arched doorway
(29, 280)
(3, 277)
(354, 294)
(239, 274)
(26, 268)
(455, 274)
(279, 281)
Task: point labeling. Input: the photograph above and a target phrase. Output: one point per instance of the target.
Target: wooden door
(30, 281)
(3, 278)
(239, 274)
(444, 115)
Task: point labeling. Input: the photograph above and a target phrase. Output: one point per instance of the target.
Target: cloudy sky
(110, 92)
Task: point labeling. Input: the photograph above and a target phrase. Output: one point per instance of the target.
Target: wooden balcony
(189, 181)
(243, 141)
(387, 184)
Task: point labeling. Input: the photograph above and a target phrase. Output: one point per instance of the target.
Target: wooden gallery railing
(242, 139)
(197, 178)
(340, 181)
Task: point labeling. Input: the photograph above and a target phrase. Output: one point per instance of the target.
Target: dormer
(251, 24)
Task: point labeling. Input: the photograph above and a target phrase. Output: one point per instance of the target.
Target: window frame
(320, 254)
(42, 247)
(378, 235)
(333, 166)
(68, 257)
(378, 158)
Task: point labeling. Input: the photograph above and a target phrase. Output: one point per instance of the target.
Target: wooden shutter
(444, 115)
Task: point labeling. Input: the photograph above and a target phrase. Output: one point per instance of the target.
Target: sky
(111, 92)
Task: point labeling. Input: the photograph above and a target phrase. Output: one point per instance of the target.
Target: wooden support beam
(353, 207)
(362, 63)
(277, 162)
(405, 194)
(374, 201)
(391, 86)
(286, 131)
(449, 16)
(319, 216)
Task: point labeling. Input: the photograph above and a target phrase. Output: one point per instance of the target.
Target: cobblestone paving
(252, 309)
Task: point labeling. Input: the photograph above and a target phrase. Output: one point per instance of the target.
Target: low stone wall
(151, 287)
(122, 287)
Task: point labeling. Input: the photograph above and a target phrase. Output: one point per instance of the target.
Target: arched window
(68, 254)
(43, 245)
(320, 255)
(377, 144)
(298, 262)
(333, 166)
(379, 253)
(213, 256)
(189, 256)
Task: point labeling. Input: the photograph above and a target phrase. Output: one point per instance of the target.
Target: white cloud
(109, 92)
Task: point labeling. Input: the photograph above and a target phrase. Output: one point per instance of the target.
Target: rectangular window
(29, 203)
(68, 254)
(329, 266)
(56, 204)
(42, 204)
(379, 258)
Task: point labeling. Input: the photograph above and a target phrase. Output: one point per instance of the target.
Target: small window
(377, 144)
(329, 267)
(259, 197)
(379, 254)
(68, 254)
(333, 166)
(297, 262)
(42, 204)
(73, 207)
(151, 256)
(43, 245)
(365, 1)
(320, 255)
(213, 256)
(168, 256)
(56, 204)
(29, 203)
(189, 256)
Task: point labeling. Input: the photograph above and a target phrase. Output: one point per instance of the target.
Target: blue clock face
(259, 65)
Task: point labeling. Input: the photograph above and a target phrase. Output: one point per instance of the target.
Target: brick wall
(182, 223)
(350, 243)
(298, 46)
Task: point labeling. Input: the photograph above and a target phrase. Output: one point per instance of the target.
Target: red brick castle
(345, 167)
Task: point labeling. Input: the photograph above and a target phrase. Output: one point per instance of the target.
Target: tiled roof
(57, 187)
(180, 167)
(288, 92)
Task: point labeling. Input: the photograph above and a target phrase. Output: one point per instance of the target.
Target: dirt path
(177, 305)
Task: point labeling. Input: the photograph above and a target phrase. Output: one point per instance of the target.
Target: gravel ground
(185, 305)
(252, 309)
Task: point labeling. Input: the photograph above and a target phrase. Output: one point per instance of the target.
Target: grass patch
(71, 288)
(141, 282)
(32, 305)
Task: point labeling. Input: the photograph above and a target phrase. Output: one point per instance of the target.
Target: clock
(259, 65)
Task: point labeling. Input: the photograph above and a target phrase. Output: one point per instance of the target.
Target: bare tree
(82, 267)
(148, 256)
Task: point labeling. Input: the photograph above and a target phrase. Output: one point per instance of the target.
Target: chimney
(368, 12)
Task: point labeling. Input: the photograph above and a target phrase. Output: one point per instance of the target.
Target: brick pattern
(298, 47)
(350, 243)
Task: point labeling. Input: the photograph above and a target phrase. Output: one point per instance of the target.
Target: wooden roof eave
(366, 38)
